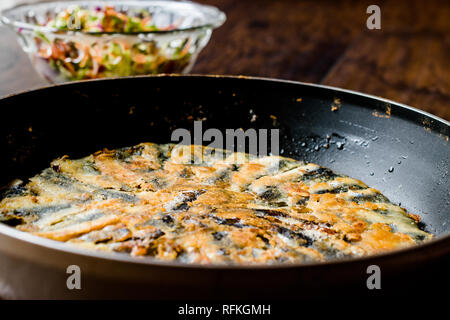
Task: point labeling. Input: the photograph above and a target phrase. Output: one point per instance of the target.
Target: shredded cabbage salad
(118, 56)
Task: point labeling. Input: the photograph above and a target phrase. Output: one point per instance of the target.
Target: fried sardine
(199, 205)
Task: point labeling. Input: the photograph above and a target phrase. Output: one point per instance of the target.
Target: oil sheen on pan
(193, 204)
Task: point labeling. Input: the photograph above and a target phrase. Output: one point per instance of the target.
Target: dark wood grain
(408, 60)
(299, 40)
(327, 42)
(409, 68)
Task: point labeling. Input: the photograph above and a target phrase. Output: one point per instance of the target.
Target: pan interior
(401, 152)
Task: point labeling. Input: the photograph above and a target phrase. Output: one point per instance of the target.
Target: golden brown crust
(199, 205)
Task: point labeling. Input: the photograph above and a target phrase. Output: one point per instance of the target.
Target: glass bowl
(180, 30)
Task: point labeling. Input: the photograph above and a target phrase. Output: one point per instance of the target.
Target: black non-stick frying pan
(403, 152)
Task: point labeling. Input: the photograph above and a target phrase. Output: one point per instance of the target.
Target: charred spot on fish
(167, 219)
(15, 191)
(233, 222)
(223, 252)
(350, 238)
(187, 196)
(421, 226)
(121, 154)
(192, 195)
(307, 241)
(302, 201)
(126, 153)
(321, 191)
(218, 154)
(157, 234)
(55, 167)
(419, 237)
(264, 239)
(377, 198)
(338, 190)
(13, 222)
(285, 232)
(357, 187)
(149, 236)
(381, 211)
(222, 177)
(105, 240)
(268, 212)
(151, 251)
(282, 163)
(219, 235)
(125, 188)
(286, 165)
(271, 193)
(320, 173)
(137, 150)
(184, 206)
(183, 203)
(162, 157)
(185, 173)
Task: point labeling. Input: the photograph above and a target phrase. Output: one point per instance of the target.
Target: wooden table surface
(326, 42)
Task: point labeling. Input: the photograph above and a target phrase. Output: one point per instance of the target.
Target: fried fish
(194, 204)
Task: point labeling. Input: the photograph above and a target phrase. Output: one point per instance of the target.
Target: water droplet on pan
(391, 169)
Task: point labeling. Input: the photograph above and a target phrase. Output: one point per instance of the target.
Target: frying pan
(401, 151)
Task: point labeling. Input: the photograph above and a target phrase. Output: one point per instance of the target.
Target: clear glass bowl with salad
(77, 40)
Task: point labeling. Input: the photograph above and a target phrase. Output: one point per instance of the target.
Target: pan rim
(68, 248)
